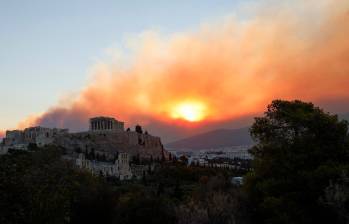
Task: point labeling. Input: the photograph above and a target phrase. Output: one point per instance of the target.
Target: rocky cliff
(110, 143)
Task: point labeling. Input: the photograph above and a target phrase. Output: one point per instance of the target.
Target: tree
(183, 159)
(40, 187)
(78, 150)
(32, 147)
(299, 149)
(136, 159)
(140, 208)
(337, 197)
(138, 129)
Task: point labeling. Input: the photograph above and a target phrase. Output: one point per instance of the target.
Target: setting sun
(190, 111)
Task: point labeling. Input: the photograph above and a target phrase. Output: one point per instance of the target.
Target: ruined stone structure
(105, 149)
(18, 139)
(124, 166)
(139, 171)
(106, 136)
(120, 168)
(105, 124)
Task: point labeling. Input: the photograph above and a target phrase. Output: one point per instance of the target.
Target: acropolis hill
(106, 136)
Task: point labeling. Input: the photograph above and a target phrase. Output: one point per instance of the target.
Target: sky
(176, 67)
(48, 47)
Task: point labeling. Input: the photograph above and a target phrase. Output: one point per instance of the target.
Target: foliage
(40, 187)
(138, 129)
(144, 208)
(337, 197)
(215, 202)
(300, 148)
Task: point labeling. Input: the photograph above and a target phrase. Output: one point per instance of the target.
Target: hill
(214, 139)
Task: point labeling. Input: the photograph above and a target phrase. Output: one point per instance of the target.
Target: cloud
(234, 67)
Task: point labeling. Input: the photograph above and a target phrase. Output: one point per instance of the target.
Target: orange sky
(230, 68)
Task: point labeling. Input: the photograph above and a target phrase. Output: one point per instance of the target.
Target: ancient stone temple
(101, 124)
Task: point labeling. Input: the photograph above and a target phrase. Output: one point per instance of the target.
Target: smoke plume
(234, 67)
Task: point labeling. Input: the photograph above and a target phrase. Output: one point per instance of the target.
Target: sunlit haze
(190, 111)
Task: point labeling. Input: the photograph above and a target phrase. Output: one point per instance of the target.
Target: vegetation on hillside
(40, 187)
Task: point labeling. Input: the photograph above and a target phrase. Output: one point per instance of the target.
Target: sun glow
(189, 111)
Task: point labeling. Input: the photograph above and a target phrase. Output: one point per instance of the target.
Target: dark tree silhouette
(299, 149)
(138, 129)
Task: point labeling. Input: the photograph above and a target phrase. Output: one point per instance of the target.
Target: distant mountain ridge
(344, 116)
(214, 139)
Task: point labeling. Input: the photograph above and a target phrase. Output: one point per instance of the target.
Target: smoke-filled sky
(218, 71)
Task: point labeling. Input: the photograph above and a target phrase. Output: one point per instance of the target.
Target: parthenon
(98, 124)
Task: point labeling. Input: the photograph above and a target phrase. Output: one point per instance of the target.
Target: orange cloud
(233, 68)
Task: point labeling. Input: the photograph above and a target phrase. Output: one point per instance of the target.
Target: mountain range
(214, 139)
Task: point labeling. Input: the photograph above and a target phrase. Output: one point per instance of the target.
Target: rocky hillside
(110, 144)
